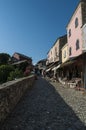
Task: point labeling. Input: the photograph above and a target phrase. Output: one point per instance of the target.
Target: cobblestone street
(49, 106)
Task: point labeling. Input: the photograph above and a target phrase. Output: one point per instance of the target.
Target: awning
(67, 63)
(48, 69)
(55, 68)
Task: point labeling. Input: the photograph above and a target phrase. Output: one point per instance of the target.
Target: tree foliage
(4, 72)
(4, 58)
(15, 74)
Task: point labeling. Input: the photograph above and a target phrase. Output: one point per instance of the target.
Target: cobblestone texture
(48, 106)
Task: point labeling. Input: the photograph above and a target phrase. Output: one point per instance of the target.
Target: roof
(67, 63)
(43, 60)
(22, 55)
(70, 61)
(56, 41)
(83, 1)
(64, 36)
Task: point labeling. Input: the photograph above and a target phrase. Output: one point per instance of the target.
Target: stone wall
(10, 94)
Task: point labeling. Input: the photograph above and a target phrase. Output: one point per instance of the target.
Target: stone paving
(48, 106)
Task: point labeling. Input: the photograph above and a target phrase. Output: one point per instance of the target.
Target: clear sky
(31, 27)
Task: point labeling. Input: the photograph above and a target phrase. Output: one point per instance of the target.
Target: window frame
(64, 53)
(76, 22)
(70, 51)
(69, 32)
(77, 44)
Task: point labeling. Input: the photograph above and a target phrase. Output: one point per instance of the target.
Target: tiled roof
(23, 55)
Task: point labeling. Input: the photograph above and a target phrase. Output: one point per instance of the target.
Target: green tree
(23, 66)
(5, 72)
(4, 58)
(15, 74)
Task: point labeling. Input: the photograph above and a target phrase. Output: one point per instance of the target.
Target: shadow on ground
(42, 108)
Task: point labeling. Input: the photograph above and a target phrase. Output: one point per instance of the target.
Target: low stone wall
(10, 94)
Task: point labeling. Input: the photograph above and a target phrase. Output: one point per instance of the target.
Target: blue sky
(31, 27)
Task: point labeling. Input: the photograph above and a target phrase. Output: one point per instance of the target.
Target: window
(69, 32)
(55, 49)
(70, 51)
(64, 54)
(56, 54)
(77, 44)
(76, 22)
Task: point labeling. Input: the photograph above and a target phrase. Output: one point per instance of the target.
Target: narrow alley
(48, 106)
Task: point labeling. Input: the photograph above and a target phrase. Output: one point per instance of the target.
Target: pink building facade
(74, 30)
